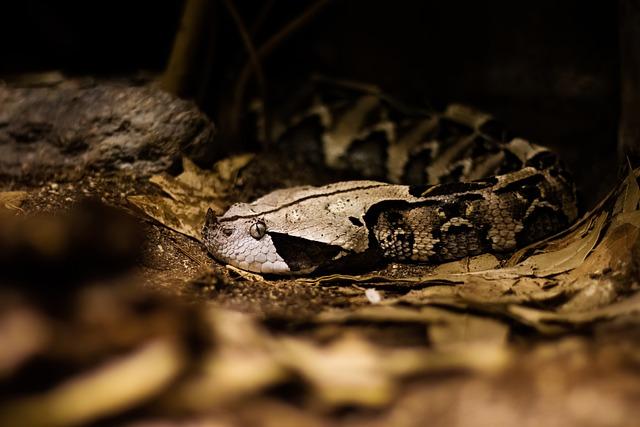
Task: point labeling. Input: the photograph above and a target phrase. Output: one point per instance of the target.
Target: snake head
(252, 243)
(242, 242)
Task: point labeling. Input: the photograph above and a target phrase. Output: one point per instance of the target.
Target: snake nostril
(227, 231)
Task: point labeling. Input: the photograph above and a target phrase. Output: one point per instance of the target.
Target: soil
(589, 376)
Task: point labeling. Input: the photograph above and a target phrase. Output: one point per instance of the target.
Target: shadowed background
(549, 69)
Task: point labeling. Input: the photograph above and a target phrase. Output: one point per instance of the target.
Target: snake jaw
(247, 243)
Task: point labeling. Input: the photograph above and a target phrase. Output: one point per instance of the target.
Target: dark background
(549, 69)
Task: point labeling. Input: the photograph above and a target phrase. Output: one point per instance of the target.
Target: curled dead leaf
(190, 194)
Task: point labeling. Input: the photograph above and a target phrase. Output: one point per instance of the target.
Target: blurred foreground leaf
(116, 386)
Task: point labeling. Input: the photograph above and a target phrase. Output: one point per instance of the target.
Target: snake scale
(456, 184)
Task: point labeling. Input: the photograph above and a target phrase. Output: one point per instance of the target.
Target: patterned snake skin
(458, 185)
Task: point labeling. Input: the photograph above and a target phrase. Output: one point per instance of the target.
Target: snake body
(457, 185)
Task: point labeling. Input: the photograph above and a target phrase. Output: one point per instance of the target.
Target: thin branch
(180, 66)
(292, 27)
(371, 90)
(254, 60)
(262, 16)
(349, 84)
(263, 51)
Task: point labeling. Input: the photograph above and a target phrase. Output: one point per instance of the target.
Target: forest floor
(111, 295)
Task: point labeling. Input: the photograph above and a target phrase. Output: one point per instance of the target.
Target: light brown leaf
(183, 218)
(12, 200)
(630, 305)
(348, 372)
(629, 196)
(23, 333)
(466, 265)
(558, 261)
(117, 385)
(242, 364)
(465, 332)
(191, 193)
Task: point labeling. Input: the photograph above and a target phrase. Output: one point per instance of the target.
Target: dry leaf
(630, 195)
(467, 265)
(468, 333)
(191, 193)
(348, 372)
(241, 364)
(564, 259)
(630, 305)
(23, 333)
(116, 386)
(576, 265)
(352, 371)
(185, 219)
(12, 200)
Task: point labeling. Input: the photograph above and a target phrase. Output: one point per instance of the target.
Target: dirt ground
(506, 373)
(113, 313)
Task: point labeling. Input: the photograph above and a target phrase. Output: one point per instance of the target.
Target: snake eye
(258, 230)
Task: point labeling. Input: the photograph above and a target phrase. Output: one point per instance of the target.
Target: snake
(435, 186)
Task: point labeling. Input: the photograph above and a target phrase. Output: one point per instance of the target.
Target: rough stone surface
(53, 131)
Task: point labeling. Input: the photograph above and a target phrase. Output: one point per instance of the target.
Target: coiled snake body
(459, 186)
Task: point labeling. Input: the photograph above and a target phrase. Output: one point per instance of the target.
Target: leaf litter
(190, 194)
(468, 310)
(587, 256)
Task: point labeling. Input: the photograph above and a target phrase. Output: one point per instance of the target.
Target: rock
(66, 130)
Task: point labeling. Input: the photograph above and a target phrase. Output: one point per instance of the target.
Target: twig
(254, 61)
(263, 51)
(291, 27)
(185, 252)
(262, 16)
(350, 84)
(181, 62)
